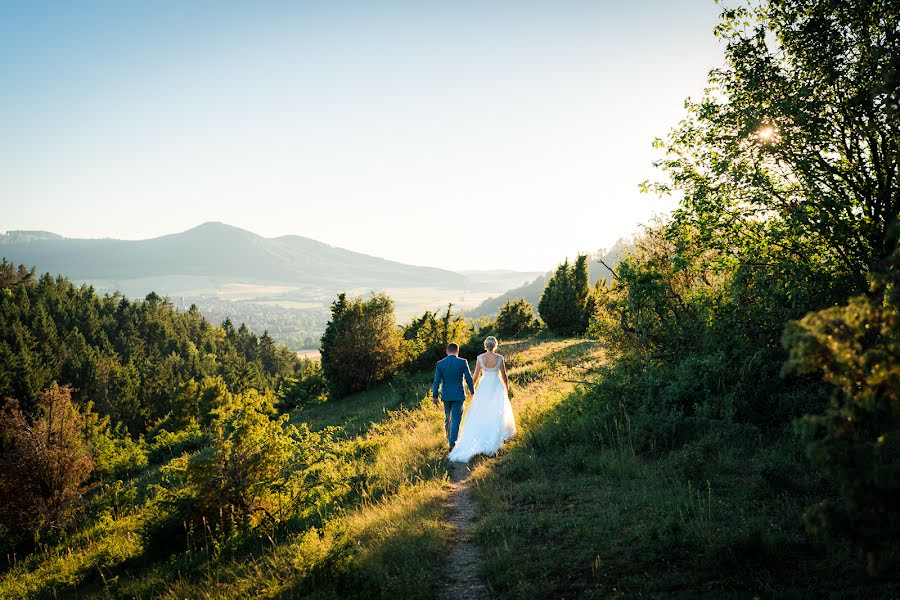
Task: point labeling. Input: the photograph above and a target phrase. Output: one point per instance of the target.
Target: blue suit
(450, 373)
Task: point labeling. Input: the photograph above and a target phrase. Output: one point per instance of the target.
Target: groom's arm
(436, 385)
(468, 377)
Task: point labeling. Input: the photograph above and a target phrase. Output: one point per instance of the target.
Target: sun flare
(766, 133)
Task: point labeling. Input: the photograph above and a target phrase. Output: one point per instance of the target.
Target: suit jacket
(450, 372)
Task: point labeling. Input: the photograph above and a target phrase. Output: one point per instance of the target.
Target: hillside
(220, 252)
(532, 290)
(568, 509)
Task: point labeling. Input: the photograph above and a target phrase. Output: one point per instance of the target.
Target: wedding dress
(489, 420)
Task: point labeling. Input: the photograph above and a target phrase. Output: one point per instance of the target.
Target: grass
(383, 535)
(570, 509)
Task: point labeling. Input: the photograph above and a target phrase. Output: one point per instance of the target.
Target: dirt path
(461, 578)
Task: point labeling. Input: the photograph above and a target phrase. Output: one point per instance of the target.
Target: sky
(464, 135)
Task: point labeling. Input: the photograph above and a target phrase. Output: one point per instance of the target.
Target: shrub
(308, 387)
(426, 337)
(116, 453)
(856, 440)
(515, 319)
(45, 462)
(249, 455)
(257, 469)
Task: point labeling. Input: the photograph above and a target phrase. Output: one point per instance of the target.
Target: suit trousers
(452, 418)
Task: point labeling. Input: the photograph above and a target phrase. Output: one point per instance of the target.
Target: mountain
(222, 252)
(532, 291)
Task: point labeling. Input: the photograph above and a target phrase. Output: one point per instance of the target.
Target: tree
(361, 346)
(567, 302)
(793, 152)
(515, 318)
(248, 458)
(44, 463)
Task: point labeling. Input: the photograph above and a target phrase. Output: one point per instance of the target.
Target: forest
(720, 416)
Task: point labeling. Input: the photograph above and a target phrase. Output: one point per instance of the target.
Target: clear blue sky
(465, 134)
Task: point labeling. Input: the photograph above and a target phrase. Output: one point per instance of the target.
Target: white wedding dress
(489, 420)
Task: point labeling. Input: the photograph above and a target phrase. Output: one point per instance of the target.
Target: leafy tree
(515, 319)
(249, 457)
(361, 346)
(792, 155)
(44, 463)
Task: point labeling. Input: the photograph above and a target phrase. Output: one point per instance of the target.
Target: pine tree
(566, 304)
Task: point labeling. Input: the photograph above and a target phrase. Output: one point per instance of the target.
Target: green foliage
(247, 461)
(165, 445)
(136, 362)
(116, 454)
(788, 199)
(308, 388)
(793, 150)
(426, 337)
(362, 345)
(44, 463)
(515, 319)
(856, 440)
(568, 302)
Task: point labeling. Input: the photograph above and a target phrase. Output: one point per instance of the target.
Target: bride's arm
(477, 373)
(503, 374)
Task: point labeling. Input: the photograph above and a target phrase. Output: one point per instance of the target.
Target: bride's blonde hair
(490, 343)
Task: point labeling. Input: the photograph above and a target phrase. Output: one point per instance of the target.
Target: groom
(450, 371)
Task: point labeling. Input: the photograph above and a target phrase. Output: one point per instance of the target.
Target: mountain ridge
(216, 249)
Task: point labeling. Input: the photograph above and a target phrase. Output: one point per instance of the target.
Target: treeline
(136, 361)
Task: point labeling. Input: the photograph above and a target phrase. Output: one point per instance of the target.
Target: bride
(489, 420)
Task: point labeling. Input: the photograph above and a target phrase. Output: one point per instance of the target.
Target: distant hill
(223, 252)
(532, 291)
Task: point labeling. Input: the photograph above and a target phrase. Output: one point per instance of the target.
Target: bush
(257, 469)
(361, 346)
(44, 464)
(426, 337)
(116, 454)
(248, 456)
(856, 441)
(515, 319)
(166, 445)
(308, 387)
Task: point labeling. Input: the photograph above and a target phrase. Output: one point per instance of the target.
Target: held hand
(435, 401)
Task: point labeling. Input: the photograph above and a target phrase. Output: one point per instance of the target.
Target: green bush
(362, 345)
(515, 319)
(426, 337)
(856, 440)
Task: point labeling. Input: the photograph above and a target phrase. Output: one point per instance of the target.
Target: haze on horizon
(464, 136)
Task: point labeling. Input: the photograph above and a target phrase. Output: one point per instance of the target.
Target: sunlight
(766, 134)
